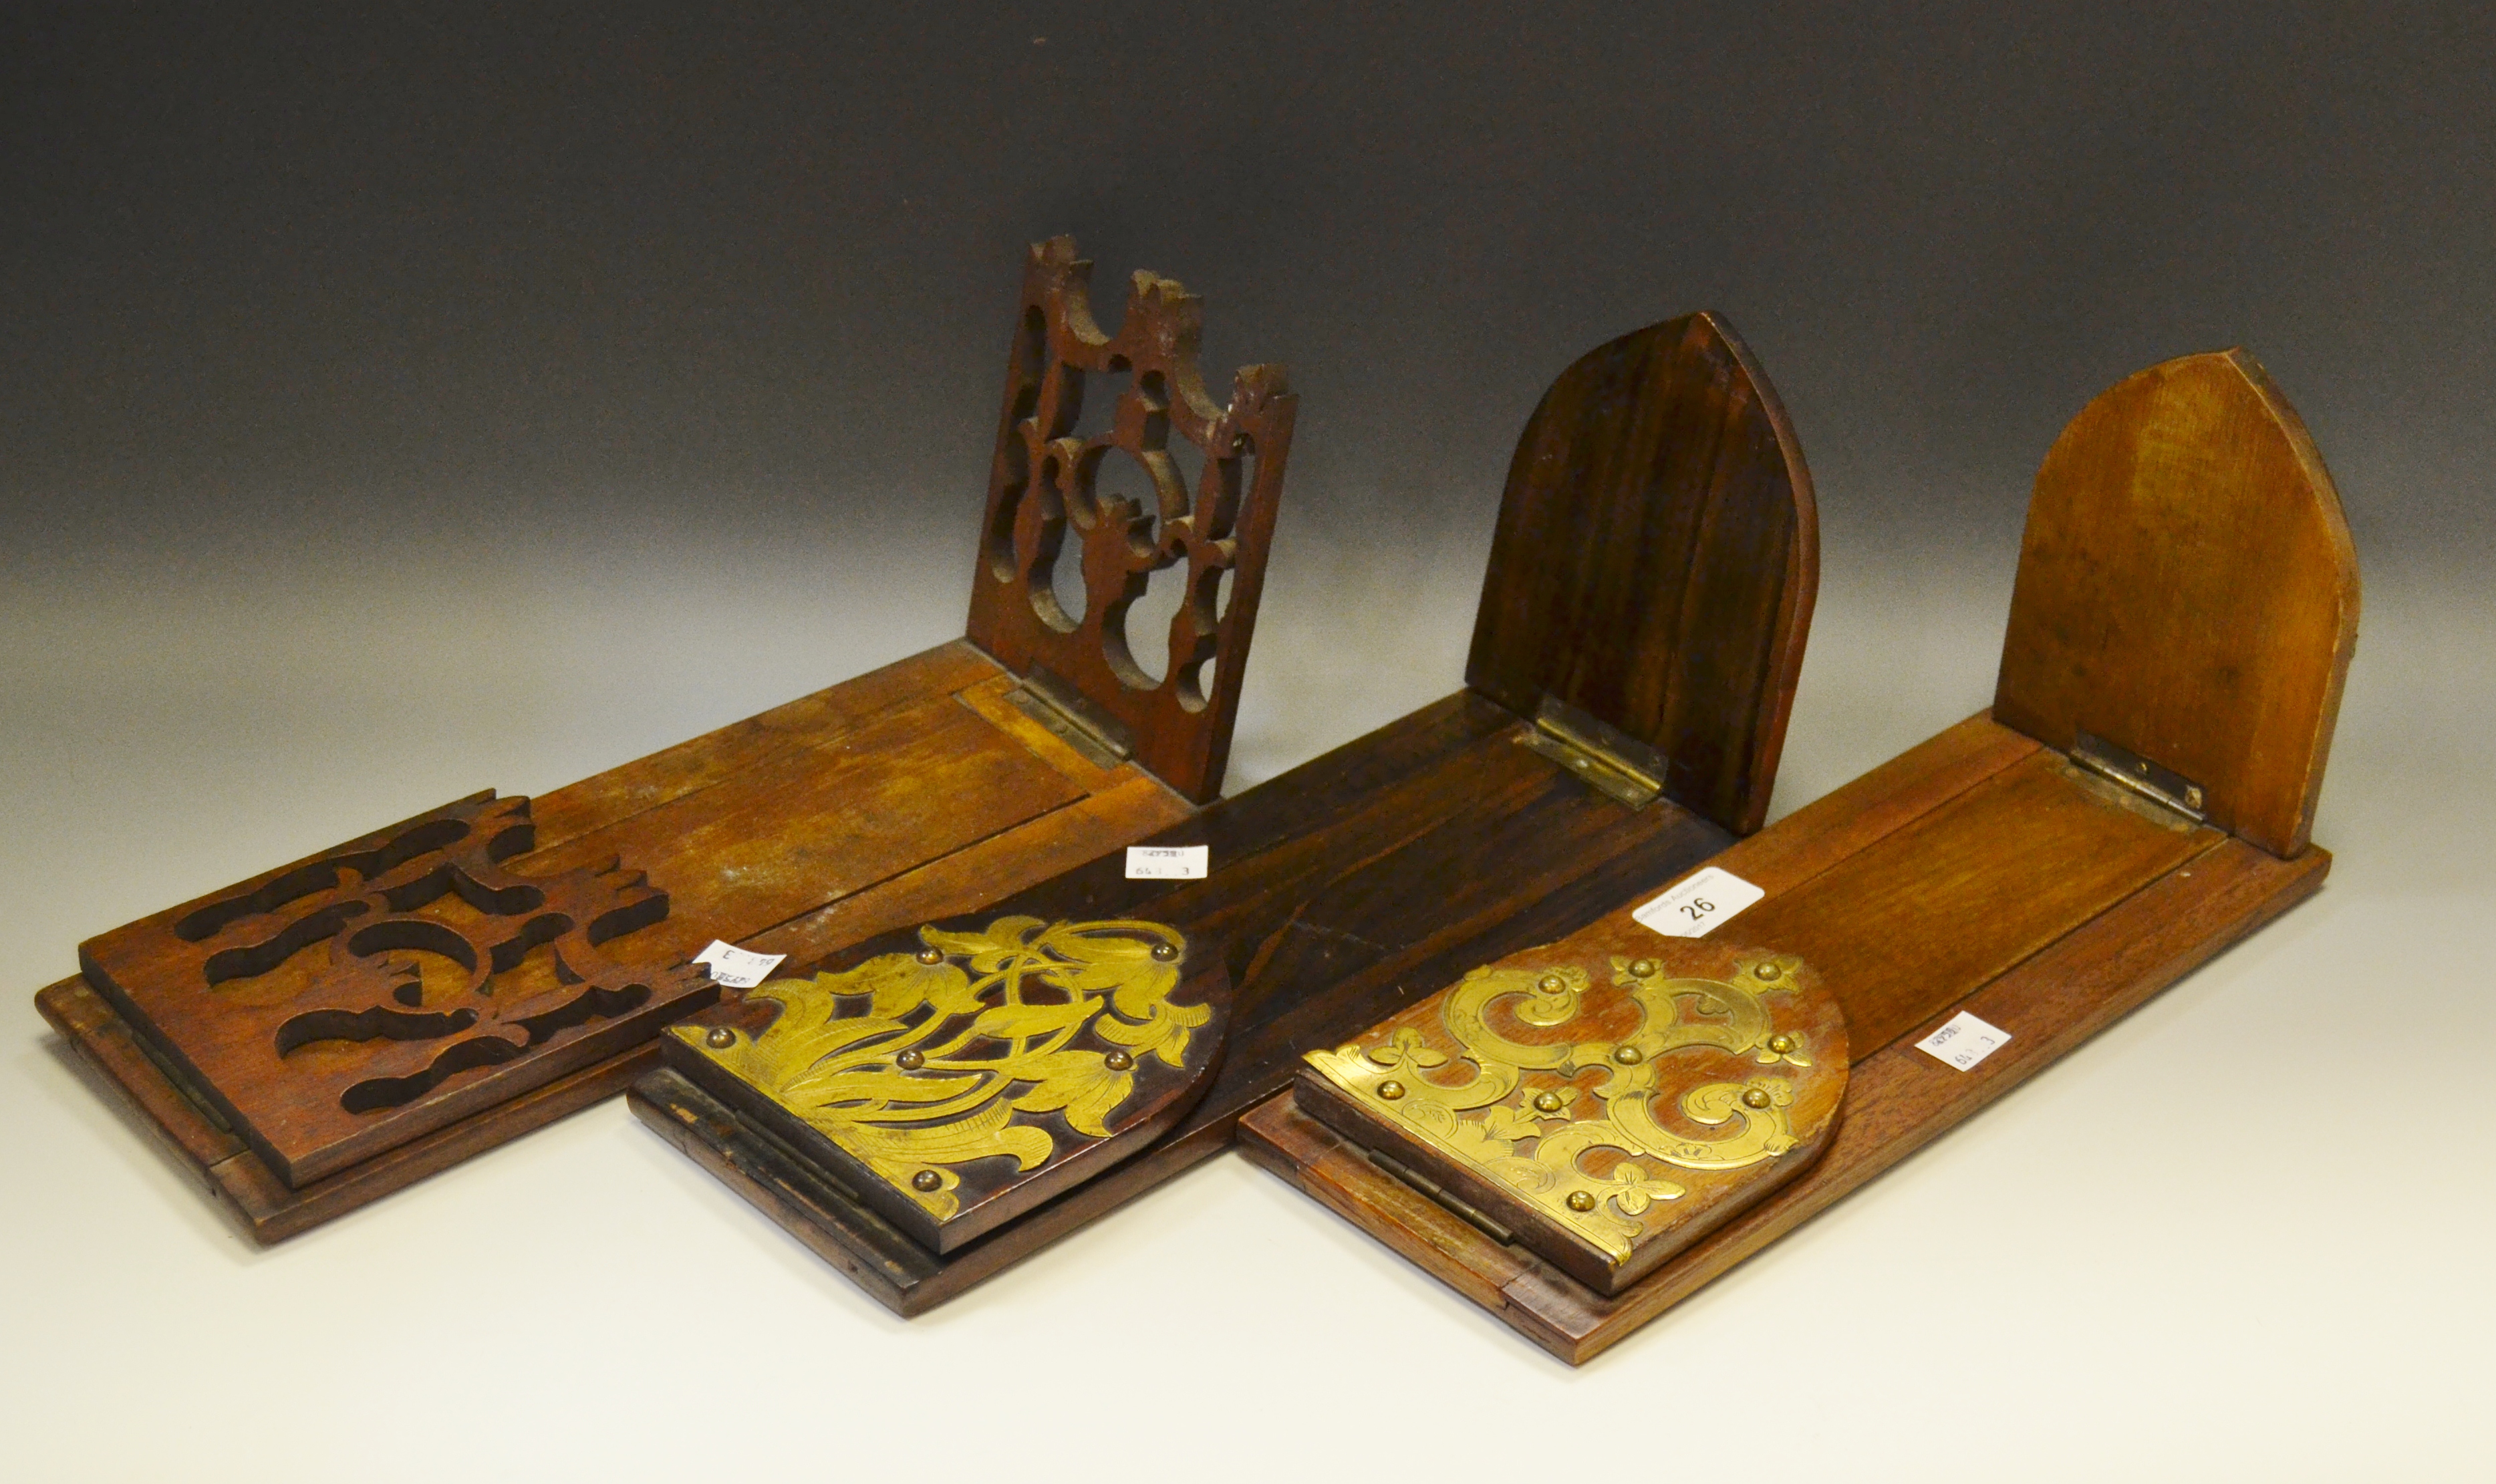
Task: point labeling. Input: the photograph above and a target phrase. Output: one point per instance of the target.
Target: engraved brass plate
(1620, 1102)
(946, 1073)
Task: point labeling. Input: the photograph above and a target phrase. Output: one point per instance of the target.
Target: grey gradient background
(393, 406)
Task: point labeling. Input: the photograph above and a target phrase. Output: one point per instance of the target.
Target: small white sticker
(1964, 1042)
(1693, 909)
(736, 968)
(1168, 862)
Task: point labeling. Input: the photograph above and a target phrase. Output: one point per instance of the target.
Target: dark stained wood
(1211, 476)
(948, 1041)
(1657, 559)
(2187, 592)
(1360, 879)
(360, 1027)
(1983, 870)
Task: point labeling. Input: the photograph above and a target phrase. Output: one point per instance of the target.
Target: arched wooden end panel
(1657, 558)
(2188, 593)
(1206, 480)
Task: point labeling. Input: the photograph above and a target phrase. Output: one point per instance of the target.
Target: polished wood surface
(1984, 870)
(954, 1076)
(1362, 879)
(2188, 591)
(1161, 485)
(1656, 564)
(347, 1028)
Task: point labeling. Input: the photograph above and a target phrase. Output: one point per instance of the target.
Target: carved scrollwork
(1211, 474)
(1572, 1126)
(971, 1048)
(327, 1004)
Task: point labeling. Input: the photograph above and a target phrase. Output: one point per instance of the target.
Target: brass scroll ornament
(923, 1075)
(1532, 1136)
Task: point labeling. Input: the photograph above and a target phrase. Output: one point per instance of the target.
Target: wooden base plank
(1342, 889)
(961, 797)
(263, 1206)
(1899, 1099)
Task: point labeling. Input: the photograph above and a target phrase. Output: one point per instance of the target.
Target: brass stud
(1769, 971)
(1165, 951)
(1628, 1055)
(931, 954)
(1117, 1061)
(720, 1039)
(1643, 967)
(911, 1060)
(1552, 983)
(1781, 1043)
(1754, 1098)
(1390, 1089)
(1579, 1200)
(925, 1180)
(1548, 1102)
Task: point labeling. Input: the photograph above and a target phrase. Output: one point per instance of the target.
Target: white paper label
(1693, 909)
(736, 968)
(1168, 862)
(1964, 1040)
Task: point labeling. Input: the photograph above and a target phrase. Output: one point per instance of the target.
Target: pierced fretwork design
(350, 1002)
(1211, 477)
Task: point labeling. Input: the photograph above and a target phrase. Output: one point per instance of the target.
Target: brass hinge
(1606, 758)
(1072, 717)
(1470, 1214)
(2158, 786)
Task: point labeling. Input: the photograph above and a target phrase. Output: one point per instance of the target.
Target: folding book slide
(319, 1035)
(1579, 1134)
(926, 1109)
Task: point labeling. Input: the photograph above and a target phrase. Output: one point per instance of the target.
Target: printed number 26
(1697, 908)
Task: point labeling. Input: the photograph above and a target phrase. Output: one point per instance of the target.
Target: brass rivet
(720, 1039)
(911, 1060)
(1164, 952)
(1548, 1102)
(1552, 983)
(1769, 971)
(931, 954)
(1643, 967)
(1627, 1056)
(1754, 1098)
(925, 1180)
(1579, 1200)
(1117, 1061)
(1781, 1043)
(1390, 1089)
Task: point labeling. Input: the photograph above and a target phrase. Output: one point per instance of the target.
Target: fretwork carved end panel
(1121, 491)
(350, 1002)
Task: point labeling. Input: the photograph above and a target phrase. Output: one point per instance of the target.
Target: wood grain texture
(263, 1206)
(2188, 591)
(1211, 476)
(1899, 1101)
(1660, 479)
(1340, 891)
(916, 790)
(372, 993)
(1656, 562)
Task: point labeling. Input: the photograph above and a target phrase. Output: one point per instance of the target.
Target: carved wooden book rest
(316, 1036)
(1578, 1136)
(1633, 665)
